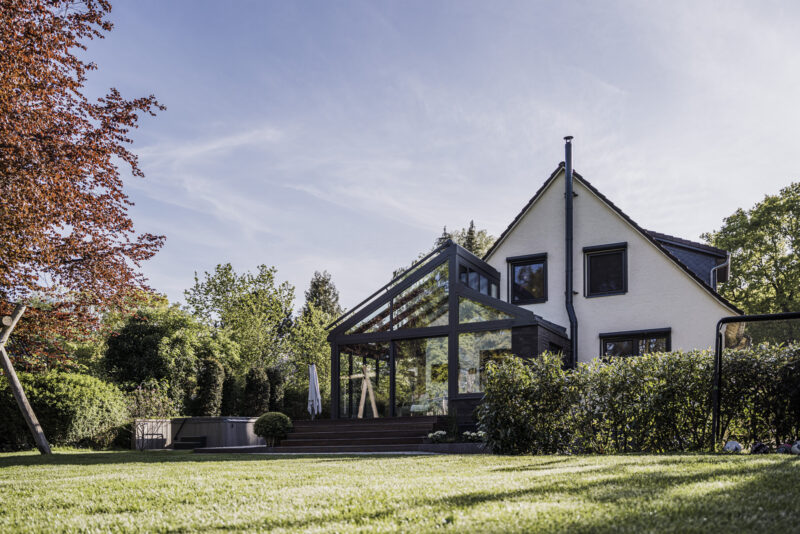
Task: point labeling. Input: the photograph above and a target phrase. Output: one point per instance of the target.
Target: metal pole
(16, 388)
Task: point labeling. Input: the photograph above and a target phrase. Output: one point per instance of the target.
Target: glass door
(420, 376)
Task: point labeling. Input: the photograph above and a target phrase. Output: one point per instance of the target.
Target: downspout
(569, 294)
(717, 268)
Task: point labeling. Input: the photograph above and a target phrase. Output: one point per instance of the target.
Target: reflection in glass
(377, 321)
(475, 350)
(471, 311)
(424, 304)
(357, 392)
(421, 376)
(528, 282)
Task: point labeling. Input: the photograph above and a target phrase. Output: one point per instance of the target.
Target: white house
(634, 290)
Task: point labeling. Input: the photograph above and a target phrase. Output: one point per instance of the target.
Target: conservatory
(420, 344)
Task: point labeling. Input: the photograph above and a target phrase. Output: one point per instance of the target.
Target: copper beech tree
(68, 247)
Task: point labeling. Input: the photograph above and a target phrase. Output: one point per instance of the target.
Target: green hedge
(73, 409)
(273, 427)
(654, 403)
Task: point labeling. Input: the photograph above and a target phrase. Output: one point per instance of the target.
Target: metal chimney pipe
(569, 293)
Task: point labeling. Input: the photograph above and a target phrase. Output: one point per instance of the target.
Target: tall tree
(470, 239)
(322, 294)
(476, 241)
(764, 243)
(68, 243)
(253, 308)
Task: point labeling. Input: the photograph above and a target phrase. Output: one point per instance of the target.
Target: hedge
(73, 409)
(653, 403)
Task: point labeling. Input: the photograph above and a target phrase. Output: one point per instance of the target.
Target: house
(571, 274)
(635, 290)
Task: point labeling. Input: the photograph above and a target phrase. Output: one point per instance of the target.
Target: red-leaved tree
(67, 243)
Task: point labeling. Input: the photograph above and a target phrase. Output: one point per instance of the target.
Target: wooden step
(360, 433)
(346, 440)
(429, 419)
(348, 448)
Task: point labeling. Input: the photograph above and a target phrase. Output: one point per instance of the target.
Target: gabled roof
(650, 236)
(671, 239)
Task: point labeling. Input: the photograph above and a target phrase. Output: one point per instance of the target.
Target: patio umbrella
(314, 398)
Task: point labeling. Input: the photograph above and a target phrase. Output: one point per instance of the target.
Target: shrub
(273, 427)
(208, 399)
(73, 409)
(277, 383)
(151, 400)
(653, 403)
(256, 392)
(526, 406)
(230, 395)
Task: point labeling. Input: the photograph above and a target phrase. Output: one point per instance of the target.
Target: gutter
(717, 268)
(568, 242)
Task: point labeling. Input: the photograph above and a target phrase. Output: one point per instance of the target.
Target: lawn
(184, 492)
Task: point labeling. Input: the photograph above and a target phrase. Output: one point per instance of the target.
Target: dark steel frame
(598, 250)
(716, 388)
(455, 256)
(527, 259)
(611, 336)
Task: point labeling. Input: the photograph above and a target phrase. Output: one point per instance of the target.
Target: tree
(252, 308)
(208, 400)
(309, 345)
(256, 392)
(470, 241)
(323, 295)
(166, 344)
(69, 246)
(764, 243)
(476, 241)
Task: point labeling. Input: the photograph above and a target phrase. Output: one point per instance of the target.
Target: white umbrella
(314, 398)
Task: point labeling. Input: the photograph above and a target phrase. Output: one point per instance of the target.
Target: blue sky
(344, 135)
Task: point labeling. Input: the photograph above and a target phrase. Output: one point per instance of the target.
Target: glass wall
(421, 376)
(425, 303)
(357, 389)
(475, 350)
(471, 311)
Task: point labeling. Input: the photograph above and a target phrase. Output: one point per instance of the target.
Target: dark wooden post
(9, 322)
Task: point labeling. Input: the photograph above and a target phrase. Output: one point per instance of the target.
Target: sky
(343, 136)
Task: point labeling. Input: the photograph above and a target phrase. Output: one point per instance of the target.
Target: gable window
(527, 277)
(636, 343)
(606, 270)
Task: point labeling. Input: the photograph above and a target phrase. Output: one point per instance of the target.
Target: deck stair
(190, 442)
(398, 434)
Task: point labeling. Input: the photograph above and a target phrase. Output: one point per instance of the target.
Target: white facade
(660, 293)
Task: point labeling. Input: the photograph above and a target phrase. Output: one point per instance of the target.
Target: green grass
(183, 492)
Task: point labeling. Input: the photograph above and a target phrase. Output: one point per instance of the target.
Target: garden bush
(208, 399)
(273, 427)
(653, 403)
(277, 384)
(256, 392)
(73, 409)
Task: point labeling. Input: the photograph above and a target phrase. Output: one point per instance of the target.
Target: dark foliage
(256, 392)
(277, 386)
(209, 389)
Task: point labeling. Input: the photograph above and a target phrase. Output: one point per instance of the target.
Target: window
(606, 269)
(478, 281)
(636, 343)
(528, 279)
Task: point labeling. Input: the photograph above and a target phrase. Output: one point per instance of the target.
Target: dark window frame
(599, 250)
(527, 259)
(636, 336)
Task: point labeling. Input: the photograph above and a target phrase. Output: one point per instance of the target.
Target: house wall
(660, 294)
